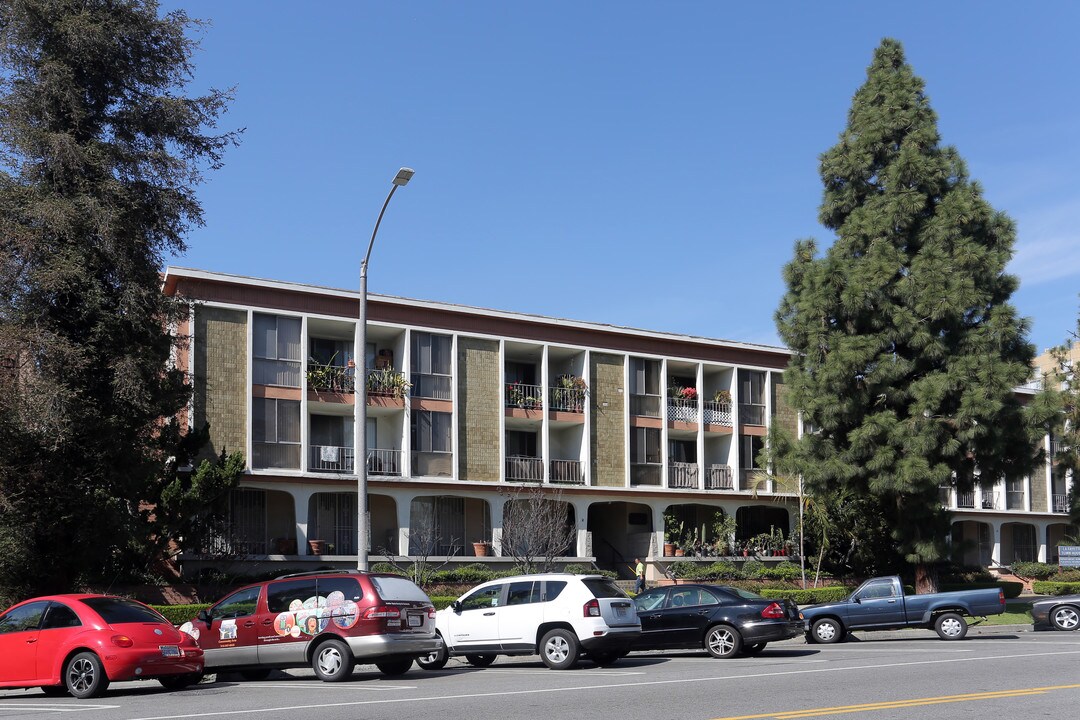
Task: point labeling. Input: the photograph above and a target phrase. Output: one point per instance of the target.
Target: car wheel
(723, 641)
(559, 649)
(826, 630)
(951, 626)
(1065, 617)
(179, 682)
(84, 676)
(54, 690)
(394, 666)
(605, 659)
(332, 661)
(434, 660)
(480, 660)
(255, 674)
(754, 649)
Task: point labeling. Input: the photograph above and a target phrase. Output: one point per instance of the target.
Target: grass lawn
(1016, 613)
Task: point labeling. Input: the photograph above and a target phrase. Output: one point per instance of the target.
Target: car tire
(84, 676)
(179, 682)
(723, 641)
(480, 661)
(435, 660)
(255, 674)
(392, 667)
(332, 661)
(1065, 617)
(826, 631)
(54, 690)
(559, 649)
(754, 649)
(950, 626)
(605, 659)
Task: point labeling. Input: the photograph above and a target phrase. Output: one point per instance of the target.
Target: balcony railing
(524, 469)
(1014, 500)
(645, 474)
(682, 410)
(234, 539)
(331, 378)
(751, 414)
(275, 455)
(1061, 503)
(331, 458)
(991, 501)
(567, 472)
(716, 413)
(719, 477)
(382, 461)
(1057, 446)
(683, 475)
(965, 499)
(386, 382)
(435, 387)
(433, 464)
(566, 399)
(520, 395)
(645, 405)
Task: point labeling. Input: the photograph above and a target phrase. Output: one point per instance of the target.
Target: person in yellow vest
(639, 573)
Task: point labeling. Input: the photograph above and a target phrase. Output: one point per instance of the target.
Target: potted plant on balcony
(673, 534)
(573, 399)
(481, 548)
(722, 397)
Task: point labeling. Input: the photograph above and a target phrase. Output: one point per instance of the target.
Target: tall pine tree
(906, 348)
(100, 151)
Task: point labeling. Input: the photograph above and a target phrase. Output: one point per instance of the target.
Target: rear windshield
(603, 588)
(746, 594)
(398, 588)
(119, 610)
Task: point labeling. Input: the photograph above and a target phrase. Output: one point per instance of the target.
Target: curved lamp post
(360, 461)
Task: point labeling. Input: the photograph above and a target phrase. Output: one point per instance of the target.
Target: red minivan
(331, 620)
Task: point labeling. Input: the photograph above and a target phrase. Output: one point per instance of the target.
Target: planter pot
(317, 547)
(481, 549)
(746, 553)
(679, 552)
(669, 549)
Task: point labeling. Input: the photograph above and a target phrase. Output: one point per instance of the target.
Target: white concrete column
(581, 516)
(403, 507)
(301, 500)
(995, 539)
(1041, 531)
(496, 506)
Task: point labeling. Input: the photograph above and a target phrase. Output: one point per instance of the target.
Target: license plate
(415, 621)
(170, 651)
(620, 611)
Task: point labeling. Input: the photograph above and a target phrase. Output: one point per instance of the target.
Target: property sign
(1069, 555)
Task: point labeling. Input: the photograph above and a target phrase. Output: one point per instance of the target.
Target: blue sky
(641, 164)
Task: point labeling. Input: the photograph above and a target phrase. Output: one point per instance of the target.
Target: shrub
(683, 569)
(582, 569)
(783, 571)
(180, 614)
(1036, 570)
(1048, 587)
(1067, 575)
(753, 569)
(809, 596)
(964, 574)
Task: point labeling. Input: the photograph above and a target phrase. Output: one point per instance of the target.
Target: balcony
(567, 472)
(1060, 503)
(384, 461)
(965, 499)
(719, 477)
(1057, 446)
(683, 475)
(682, 410)
(434, 387)
(645, 405)
(716, 413)
(386, 382)
(520, 395)
(648, 474)
(331, 378)
(521, 468)
(751, 414)
(566, 399)
(331, 458)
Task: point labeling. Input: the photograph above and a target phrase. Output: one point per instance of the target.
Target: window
(552, 589)
(485, 598)
(347, 586)
(27, 617)
(431, 431)
(877, 590)
(280, 595)
(331, 352)
(117, 610)
(431, 362)
(276, 350)
(239, 604)
(752, 397)
(603, 588)
(684, 451)
(520, 443)
(644, 376)
(749, 448)
(275, 433)
(332, 430)
(60, 616)
(645, 445)
(394, 589)
(651, 600)
(522, 593)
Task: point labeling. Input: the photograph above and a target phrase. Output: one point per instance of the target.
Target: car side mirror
(856, 599)
(455, 605)
(205, 616)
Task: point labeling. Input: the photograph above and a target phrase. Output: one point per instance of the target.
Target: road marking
(899, 704)
(579, 673)
(52, 708)
(323, 685)
(771, 674)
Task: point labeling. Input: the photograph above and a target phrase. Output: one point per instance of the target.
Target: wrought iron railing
(386, 382)
(520, 395)
(682, 410)
(566, 399)
(567, 472)
(1060, 503)
(331, 378)
(719, 477)
(331, 458)
(965, 499)
(716, 413)
(645, 405)
(683, 475)
(751, 414)
(382, 461)
(524, 468)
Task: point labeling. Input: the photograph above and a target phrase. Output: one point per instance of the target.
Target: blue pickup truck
(880, 604)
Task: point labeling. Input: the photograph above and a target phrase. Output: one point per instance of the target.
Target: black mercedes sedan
(725, 621)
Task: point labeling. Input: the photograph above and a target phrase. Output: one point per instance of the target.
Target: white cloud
(1048, 244)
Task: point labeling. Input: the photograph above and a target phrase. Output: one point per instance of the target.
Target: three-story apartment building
(466, 406)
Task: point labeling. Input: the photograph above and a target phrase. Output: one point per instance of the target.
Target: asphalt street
(996, 672)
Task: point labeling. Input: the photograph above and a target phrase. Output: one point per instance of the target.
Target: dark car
(725, 621)
(1062, 612)
(329, 620)
(78, 644)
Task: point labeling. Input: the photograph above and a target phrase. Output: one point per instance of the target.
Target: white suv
(555, 615)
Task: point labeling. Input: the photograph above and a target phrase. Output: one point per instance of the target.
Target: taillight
(773, 612)
(592, 608)
(381, 611)
(1001, 597)
(431, 612)
(122, 641)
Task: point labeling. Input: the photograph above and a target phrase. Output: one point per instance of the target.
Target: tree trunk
(926, 580)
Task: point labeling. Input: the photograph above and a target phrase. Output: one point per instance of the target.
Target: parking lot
(996, 671)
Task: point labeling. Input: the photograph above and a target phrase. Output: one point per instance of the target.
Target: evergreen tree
(100, 152)
(906, 348)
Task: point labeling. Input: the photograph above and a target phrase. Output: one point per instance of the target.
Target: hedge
(1046, 587)
(180, 614)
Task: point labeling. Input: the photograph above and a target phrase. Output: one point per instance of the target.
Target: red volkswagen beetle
(78, 644)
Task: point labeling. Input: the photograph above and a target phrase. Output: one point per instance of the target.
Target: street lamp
(360, 433)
